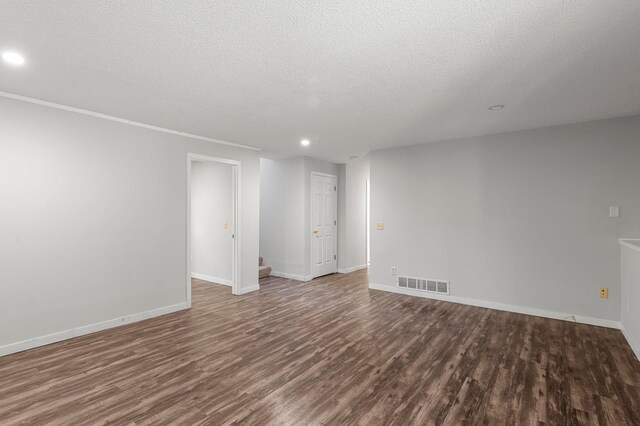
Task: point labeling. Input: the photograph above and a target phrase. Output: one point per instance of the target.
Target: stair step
(264, 271)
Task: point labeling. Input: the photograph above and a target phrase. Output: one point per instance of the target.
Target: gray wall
(282, 219)
(285, 230)
(518, 218)
(93, 219)
(211, 207)
(352, 211)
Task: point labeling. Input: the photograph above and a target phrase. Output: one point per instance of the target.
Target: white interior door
(324, 224)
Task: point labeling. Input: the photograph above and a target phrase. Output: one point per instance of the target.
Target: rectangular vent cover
(431, 286)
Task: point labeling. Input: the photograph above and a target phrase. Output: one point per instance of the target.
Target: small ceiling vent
(431, 286)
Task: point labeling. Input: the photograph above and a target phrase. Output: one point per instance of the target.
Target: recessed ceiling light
(13, 58)
(304, 142)
(495, 107)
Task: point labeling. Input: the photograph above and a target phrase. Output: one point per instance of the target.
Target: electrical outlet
(614, 211)
(393, 270)
(604, 293)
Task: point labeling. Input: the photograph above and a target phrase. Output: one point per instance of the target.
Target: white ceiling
(350, 76)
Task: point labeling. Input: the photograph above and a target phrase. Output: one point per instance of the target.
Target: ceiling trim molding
(121, 120)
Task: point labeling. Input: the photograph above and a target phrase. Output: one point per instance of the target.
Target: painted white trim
(625, 242)
(121, 120)
(209, 159)
(499, 306)
(324, 174)
(635, 346)
(291, 276)
(351, 269)
(91, 328)
(214, 280)
(236, 190)
(248, 290)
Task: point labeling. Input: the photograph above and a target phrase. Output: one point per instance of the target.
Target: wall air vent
(430, 286)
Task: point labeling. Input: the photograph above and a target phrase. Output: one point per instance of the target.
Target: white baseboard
(635, 346)
(211, 279)
(351, 269)
(248, 289)
(291, 276)
(500, 306)
(88, 329)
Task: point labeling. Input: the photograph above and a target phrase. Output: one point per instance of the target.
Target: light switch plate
(614, 211)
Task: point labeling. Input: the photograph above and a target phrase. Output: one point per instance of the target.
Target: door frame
(236, 242)
(311, 267)
(367, 249)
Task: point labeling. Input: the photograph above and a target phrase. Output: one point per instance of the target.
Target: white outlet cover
(614, 211)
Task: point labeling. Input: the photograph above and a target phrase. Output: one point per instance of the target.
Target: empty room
(320, 212)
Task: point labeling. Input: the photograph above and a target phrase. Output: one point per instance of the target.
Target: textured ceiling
(350, 76)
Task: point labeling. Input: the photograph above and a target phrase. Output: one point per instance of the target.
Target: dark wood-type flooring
(330, 351)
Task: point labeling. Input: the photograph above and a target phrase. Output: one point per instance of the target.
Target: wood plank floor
(327, 352)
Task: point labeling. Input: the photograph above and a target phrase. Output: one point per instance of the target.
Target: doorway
(368, 222)
(213, 228)
(324, 224)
